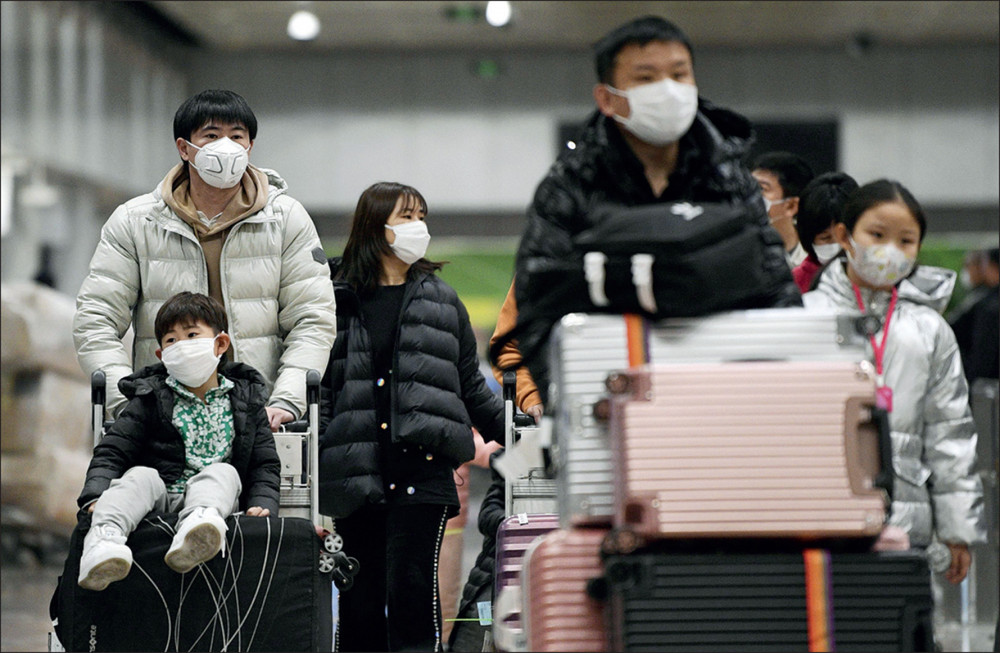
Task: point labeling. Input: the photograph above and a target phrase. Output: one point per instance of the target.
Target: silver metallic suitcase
(585, 348)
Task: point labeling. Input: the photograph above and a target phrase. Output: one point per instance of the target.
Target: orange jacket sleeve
(527, 391)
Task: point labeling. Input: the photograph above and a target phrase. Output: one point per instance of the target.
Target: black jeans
(394, 604)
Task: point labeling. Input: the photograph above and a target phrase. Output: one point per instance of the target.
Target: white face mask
(880, 265)
(221, 163)
(965, 279)
(826, 253)
(769, 203)
(659, 112)
(191, 361)
(412, 239)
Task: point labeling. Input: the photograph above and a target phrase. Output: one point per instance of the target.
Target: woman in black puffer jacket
(401, 394)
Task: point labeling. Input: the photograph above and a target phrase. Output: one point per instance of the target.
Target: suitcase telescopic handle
(883, 479)
(98, 389)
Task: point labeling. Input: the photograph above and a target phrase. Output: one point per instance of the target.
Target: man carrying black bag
(651, 141)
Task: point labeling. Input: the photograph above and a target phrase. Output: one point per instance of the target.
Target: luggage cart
(297, 445)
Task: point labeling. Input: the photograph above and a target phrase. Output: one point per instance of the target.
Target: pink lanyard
(883, 393)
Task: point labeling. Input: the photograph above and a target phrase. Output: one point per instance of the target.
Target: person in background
(820, 205)
(975, 320)
(920, 382)
(402, 392)
(219, 226)
(651, 139)
(193, 439)
(782, 177)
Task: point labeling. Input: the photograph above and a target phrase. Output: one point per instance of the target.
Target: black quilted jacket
(437, 394)
(603, 171)
(144, 435)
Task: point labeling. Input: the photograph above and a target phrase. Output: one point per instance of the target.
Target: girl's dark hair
(820, 205)
(640, 32)
(189, 306)
(221, 105)
(881, 191)
(362, 261)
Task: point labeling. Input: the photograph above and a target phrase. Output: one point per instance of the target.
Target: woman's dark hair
(877, 192)
(220, 105)
(820, 204)
(640, 32)
(189, 307)
(362, 261)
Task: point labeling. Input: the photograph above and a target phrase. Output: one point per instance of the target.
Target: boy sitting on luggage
(194, 439)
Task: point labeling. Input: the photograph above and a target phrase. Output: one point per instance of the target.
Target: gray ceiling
(260, 26)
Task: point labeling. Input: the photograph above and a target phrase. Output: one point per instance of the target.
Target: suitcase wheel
(326, 562)
(620, 541)
(333, 542)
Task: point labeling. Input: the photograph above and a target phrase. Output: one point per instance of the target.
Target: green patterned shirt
(207, 428)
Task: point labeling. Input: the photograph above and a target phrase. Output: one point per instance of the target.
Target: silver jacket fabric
(933, 436)
(275, 283)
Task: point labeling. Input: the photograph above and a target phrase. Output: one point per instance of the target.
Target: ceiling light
(498, 13)
(303, 26)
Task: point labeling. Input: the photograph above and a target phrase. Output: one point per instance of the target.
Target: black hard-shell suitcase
(266, 594)
(807, 600)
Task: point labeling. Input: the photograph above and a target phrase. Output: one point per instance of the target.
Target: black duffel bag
(659, 260)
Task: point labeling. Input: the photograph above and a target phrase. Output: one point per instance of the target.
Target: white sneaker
(105, 559)
(199, 538)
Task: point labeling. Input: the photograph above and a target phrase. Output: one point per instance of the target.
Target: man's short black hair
(221, 105)
(640, 32)
(792, 171)
(190, 306)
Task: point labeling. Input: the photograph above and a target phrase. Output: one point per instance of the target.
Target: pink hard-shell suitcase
(792, 449)
(514, 536)
(559, 614)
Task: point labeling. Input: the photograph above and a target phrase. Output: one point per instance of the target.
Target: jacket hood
(927, 285)
(276, 185)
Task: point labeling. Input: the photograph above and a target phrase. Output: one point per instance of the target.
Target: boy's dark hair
(189, 306)
(881, 191)
(640, 32)
(820, 205)
(223, 106)
(792, 171)
(362, 263)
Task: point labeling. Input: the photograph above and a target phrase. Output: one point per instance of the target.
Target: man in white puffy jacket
(222, 227)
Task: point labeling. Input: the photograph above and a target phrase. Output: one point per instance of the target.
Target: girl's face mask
(880, 266)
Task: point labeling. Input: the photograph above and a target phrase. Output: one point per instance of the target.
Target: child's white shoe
(106, 558)
(199, 538)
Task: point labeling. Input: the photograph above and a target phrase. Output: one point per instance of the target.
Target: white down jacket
(933, 435)
(275, 284)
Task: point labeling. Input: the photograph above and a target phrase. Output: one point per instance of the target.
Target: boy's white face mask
(192, 362)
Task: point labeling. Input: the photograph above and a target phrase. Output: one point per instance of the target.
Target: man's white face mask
(659, 112)
(221, 163)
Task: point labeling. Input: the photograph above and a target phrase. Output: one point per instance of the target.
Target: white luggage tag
(522, 456)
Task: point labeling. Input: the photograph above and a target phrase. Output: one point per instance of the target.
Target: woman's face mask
(826, 252)
(412, 239)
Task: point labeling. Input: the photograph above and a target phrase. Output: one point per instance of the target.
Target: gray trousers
(128, 499)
